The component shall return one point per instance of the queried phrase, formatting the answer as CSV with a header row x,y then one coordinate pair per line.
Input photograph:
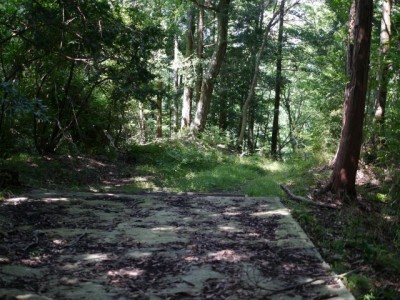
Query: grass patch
x,y
181,166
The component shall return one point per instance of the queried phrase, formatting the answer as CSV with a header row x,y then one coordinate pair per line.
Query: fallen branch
x,y
340,276
303,199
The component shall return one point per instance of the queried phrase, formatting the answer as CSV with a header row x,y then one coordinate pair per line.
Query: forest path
x,y
157,246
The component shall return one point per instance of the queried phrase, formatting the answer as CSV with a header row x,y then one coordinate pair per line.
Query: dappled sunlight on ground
x,y
107,245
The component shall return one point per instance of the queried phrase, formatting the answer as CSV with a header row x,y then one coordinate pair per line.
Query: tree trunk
x,y
278,86
200,50
142,124
256,72
188,89
380,105
159,133
349,62
250,137
175,118
207,85
351,40
343,178
286,100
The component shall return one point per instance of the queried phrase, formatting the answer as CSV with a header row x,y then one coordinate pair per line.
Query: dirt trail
x,y
189,246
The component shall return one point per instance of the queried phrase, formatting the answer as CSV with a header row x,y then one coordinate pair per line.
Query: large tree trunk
x,y
380,105
278,86
188,78
343,178
349,62
207,85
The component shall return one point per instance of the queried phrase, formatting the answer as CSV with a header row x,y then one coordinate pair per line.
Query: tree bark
x,y
286,103
200,50
349,63
381,95
188,78
250,138
159,133
351,41
343,178
142,124
207,85
175,118
278,86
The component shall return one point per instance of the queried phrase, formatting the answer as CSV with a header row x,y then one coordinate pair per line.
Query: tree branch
x,y
303,199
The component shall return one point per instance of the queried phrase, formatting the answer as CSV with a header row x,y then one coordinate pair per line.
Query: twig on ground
x,y
303,199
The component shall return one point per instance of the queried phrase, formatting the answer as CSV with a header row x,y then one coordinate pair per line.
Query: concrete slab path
x,y
159,246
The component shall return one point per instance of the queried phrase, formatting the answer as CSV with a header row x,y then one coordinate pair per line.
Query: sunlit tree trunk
x,y
380,105
207,85
278,86
175,118
343,178
188,80
159,133
200,50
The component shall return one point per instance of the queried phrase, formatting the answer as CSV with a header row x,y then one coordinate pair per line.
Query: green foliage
x,y
358,284
61,68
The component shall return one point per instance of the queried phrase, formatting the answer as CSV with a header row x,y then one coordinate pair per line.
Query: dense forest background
x,y
88,76
155,82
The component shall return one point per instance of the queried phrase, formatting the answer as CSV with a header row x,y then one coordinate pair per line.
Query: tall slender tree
x,y
188,80
278,85
200,50
209,77
159,133
381,95
256,73
343,178
177,81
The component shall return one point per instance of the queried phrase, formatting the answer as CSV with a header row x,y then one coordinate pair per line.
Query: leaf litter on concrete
x,y
158,246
